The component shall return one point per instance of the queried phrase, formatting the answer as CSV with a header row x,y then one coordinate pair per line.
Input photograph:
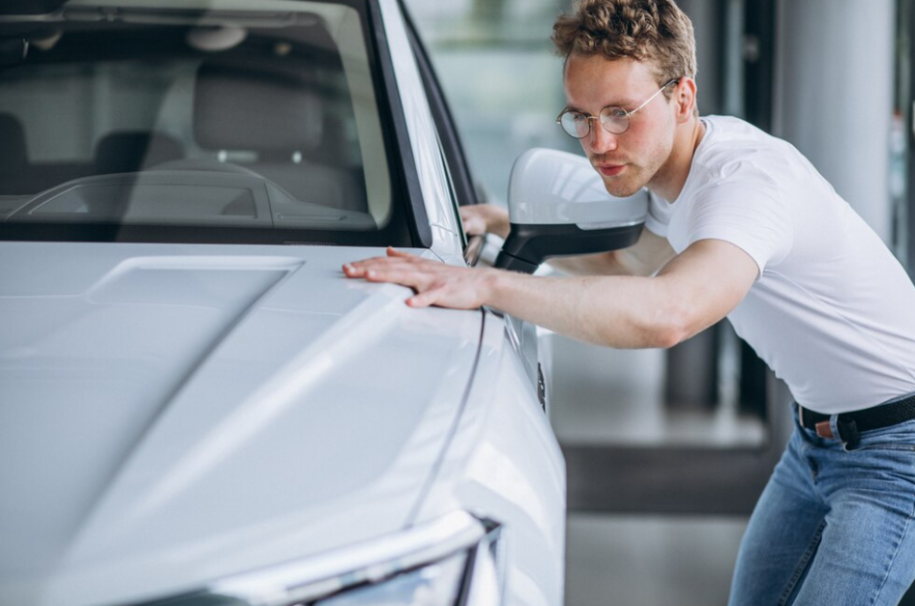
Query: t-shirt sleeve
x,y
752,216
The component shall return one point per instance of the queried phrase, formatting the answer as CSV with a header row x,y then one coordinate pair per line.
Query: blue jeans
x,y
834,526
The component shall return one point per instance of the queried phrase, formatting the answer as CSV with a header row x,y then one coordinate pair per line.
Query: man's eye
x,y
576,117
615,112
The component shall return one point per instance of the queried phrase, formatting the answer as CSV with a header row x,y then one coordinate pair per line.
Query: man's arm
x,y
693,291
482,219
644,258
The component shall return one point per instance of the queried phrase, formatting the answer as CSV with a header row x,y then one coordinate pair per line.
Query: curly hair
x,y
643,30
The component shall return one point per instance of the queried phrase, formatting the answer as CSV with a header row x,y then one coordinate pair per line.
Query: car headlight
x,y
454,560
432,585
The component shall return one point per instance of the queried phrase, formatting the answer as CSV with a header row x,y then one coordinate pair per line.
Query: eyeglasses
x,y
614,119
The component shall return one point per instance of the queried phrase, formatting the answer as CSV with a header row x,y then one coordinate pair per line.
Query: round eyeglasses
x,y
614,119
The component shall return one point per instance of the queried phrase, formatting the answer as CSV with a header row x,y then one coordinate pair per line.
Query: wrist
x,y
501,229
497,222
491,285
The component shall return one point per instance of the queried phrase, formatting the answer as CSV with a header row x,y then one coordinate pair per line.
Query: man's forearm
x,y
616,311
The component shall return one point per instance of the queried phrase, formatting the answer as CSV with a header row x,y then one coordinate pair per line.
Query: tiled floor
x,y
605,396
650,561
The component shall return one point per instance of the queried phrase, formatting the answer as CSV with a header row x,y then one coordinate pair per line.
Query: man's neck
x,y
671,177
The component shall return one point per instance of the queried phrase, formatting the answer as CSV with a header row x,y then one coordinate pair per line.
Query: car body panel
x,y
296,365
483,473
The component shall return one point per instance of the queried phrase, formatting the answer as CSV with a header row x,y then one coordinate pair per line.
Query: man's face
x,y
629,161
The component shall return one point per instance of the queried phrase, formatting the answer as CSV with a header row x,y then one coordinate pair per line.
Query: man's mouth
x,y
610,170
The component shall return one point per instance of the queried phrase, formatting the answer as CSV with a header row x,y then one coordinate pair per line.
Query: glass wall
x,y
494,59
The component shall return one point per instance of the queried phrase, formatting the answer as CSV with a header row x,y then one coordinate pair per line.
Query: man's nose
x,y
600,140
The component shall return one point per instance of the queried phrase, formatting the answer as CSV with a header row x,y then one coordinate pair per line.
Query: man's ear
x,y
685,98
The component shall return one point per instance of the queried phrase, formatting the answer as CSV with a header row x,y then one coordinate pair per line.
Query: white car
x,y
196,407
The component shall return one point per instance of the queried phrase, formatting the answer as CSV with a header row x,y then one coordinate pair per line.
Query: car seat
x,y
273,108
131,151
14,158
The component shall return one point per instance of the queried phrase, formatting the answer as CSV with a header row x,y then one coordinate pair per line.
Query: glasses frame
x,y
626,114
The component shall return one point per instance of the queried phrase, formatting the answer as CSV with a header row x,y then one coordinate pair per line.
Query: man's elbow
x,y
672,328
665,337
648,335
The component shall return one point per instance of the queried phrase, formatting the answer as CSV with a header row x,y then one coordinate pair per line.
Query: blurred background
x,y
667,451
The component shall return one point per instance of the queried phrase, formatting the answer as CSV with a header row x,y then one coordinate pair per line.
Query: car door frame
x,y
521,334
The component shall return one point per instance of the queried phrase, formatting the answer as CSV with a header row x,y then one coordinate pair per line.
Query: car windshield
x,y
196,121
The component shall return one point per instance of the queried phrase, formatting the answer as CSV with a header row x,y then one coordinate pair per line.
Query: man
x,y
740,226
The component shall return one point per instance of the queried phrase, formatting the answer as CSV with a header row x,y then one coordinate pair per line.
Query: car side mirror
x,y
558,206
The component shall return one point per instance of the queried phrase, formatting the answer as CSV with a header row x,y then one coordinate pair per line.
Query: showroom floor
x,y
608,396
649,561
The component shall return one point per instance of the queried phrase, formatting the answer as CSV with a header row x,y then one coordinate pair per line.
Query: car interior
x,y
191,95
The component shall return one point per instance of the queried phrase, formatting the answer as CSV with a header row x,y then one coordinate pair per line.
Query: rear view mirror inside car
x,y
13,50
30,7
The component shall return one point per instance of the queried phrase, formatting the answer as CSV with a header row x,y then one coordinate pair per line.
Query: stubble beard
x,y
628,186
639,176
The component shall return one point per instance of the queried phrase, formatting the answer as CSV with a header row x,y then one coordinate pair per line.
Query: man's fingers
x,y
358,269
423,300
378,274
474,226
433,283
393,252
427,285
427,298
417,280
480,219
353,271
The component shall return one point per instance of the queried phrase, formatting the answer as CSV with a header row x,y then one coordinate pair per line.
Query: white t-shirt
x,y
832,311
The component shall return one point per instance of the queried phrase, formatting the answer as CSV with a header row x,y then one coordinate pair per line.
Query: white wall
x,y
834,92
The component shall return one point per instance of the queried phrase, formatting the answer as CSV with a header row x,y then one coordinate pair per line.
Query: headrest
x,y
256,105
13,152
129,151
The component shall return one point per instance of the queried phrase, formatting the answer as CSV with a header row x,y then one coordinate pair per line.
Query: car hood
x,y
171,414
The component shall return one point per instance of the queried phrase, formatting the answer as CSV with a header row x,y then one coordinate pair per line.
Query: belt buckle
x,y
823,428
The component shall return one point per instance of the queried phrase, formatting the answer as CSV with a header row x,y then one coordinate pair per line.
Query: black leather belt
x,y
850,424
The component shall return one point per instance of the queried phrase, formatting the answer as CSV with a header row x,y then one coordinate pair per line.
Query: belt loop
x,y
800,414
848,433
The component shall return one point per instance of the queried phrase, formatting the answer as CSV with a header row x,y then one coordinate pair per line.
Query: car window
x,y
198,117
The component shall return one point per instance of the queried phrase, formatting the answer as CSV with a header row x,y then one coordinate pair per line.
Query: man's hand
x,y
434,282
693,291
482,219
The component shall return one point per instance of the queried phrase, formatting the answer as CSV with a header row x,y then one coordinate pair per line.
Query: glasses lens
x,y
614,119
576,124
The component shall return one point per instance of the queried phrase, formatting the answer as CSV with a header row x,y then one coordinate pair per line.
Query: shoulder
x,y
735,151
